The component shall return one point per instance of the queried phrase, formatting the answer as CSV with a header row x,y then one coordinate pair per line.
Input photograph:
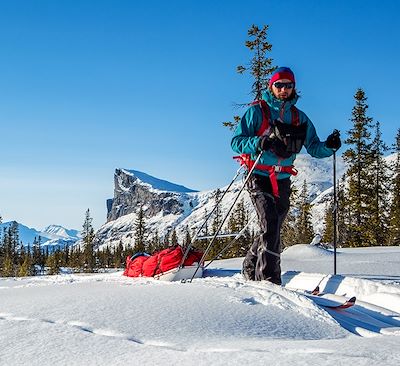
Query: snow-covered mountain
x,y
52,237
170,206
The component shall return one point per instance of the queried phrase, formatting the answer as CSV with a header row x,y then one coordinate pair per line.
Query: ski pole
x,y
334,213
226,216
335,206
207,218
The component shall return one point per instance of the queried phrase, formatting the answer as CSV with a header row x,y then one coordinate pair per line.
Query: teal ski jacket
x,y
245,139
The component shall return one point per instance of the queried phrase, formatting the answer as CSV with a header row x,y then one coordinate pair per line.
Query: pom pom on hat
x,y
282,73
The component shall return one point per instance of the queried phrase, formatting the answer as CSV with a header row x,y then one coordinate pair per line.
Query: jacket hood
x,y
276,103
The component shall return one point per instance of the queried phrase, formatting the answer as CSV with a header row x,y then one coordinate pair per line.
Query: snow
x,y
101,319
158,184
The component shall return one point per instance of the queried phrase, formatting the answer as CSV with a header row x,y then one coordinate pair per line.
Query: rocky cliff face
x,y
130,192
164,205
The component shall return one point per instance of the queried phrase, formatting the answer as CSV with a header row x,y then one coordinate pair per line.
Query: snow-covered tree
x,y
140,232
394,227
304,232
87,238
379,217
359,174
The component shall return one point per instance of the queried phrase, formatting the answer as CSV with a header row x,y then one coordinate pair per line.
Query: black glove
x,y
265,143
333,140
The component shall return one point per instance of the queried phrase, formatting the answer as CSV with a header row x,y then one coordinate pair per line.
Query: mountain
x,y
52,237
169,206
57,232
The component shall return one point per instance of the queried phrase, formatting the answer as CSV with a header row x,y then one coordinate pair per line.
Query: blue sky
x,y
90,86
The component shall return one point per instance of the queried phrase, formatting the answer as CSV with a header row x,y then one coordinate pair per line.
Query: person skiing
x,y
276,129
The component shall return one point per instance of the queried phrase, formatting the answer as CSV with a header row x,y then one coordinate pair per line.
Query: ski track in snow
x,y
87,328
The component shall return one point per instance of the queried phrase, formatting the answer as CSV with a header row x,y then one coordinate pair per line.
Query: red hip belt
x,y
272,170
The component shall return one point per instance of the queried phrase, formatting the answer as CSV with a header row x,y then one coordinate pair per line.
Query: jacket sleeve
x,y
245,139
313,145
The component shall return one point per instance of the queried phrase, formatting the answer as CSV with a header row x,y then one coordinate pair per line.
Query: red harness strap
x,y
245,160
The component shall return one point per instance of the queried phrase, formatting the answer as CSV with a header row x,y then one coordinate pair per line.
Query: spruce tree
x,y
188,238
260,66
343,213
53,262
25,268
359,173
237,221
155,243
174,238
140,232
327,236
217,220
379,217
119,259
394,227
8,267
288,231
87,238
304,230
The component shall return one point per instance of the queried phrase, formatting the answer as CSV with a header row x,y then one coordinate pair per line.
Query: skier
x,y
278,130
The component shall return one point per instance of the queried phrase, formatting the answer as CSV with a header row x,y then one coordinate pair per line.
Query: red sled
x,y
164,265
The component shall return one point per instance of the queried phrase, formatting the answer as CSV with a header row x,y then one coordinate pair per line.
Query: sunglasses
x,y
279,85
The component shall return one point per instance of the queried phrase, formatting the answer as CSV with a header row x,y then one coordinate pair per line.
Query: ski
x,y
325,302
345,305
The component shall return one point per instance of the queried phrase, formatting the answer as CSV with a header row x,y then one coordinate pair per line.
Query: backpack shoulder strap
x,y
266,116
295,116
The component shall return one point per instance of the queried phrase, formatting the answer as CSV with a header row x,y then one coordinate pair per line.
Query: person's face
x,y
283,88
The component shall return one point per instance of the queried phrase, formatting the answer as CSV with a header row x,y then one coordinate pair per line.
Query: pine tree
x,y
119,259
155,243
53,262
8,267
87,238
237,221
25,268
394,227
188,237
260,66
140,232
359,174
216,223
174,238
288,231
343,214
327,236
379,217
303,229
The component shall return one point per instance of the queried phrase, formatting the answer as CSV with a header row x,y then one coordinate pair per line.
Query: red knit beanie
x,y
282,73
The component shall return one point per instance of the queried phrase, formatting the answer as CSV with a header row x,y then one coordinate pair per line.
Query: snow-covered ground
x,y
220,319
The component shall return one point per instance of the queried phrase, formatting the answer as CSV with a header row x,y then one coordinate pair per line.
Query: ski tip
x,y
352,300
315,291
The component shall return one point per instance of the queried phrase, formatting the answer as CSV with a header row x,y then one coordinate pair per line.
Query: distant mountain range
x,y
52,237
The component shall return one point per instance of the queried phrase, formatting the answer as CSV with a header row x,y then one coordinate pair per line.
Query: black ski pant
x,y
262,261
